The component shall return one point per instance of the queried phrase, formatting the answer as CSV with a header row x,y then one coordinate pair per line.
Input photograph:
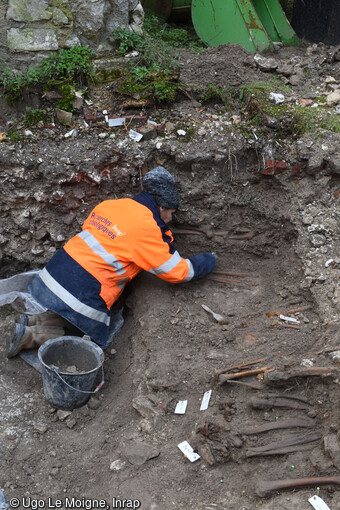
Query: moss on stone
x,y
20,11
108,70
64,7
59,17
32,39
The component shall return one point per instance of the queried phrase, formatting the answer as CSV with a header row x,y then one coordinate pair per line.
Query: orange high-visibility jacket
x,y
119,239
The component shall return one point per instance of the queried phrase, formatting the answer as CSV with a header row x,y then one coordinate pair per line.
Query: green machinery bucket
x,y
254,24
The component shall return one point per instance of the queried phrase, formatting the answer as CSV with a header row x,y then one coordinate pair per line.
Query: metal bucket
x,y
63,389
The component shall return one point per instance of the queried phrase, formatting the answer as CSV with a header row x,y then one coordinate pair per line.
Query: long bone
x,y
265,487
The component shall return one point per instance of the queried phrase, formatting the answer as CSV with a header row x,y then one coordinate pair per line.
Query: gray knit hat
x,y
160,184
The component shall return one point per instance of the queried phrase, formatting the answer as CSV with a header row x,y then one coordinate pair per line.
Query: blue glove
x,y
203,264
3,503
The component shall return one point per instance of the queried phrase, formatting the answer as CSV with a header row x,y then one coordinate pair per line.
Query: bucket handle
x,y
56,371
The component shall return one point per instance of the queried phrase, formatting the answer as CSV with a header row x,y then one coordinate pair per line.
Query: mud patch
x,y
227,66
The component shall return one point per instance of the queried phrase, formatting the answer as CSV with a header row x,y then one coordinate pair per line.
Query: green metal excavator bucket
x,y
254,24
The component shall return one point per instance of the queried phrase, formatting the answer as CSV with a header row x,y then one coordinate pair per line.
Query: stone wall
x,y
31,29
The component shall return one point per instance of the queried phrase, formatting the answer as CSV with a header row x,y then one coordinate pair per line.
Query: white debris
x,y
289,319
117,465
307,362
277,98
70,133
335,355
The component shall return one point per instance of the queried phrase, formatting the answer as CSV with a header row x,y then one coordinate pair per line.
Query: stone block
x,y
333,98
315,164
148,131
334,165
64,117
78,101
59,18
89,17
28,10
71,41
137,453
265,64
144,407
108,69
319,461
332,447
285,70
32,39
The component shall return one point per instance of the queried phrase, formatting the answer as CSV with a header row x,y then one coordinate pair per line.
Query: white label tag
x,y
289,319
181,407
205,400
318,503
135,136
188,451
117,122
152,123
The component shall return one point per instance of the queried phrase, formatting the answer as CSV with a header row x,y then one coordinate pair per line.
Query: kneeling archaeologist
x,y
82,282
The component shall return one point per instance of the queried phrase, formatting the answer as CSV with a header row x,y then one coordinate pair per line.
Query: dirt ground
x,y
123,445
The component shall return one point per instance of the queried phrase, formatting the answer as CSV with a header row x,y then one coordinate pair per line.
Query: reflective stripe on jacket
x,y
118,240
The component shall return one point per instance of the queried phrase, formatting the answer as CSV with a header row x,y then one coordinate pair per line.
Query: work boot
x,y
47,319
32,337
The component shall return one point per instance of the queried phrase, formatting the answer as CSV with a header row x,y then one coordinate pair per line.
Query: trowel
x,y
218,318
